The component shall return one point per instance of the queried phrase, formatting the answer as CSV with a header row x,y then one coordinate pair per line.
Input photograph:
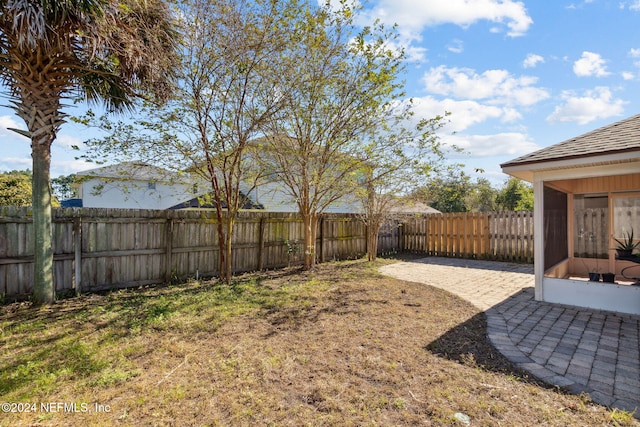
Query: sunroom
x,y
586,206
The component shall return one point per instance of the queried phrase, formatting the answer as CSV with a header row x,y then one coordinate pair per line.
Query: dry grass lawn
x,y
341,345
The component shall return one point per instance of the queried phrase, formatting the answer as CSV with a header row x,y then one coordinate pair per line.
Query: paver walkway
x,y
582,350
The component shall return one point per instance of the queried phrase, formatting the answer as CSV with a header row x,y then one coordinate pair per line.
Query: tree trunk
x,y
310,222
228,248
373,229
372,240
43,286
221,242
373,224
40,110
222,239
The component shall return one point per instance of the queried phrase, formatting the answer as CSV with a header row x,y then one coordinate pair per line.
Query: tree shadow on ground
x,y
500,266
468,343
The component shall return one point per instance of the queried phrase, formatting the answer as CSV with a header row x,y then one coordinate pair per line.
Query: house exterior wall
x,y
275,198
610,179
136,194
596,295
601,184
132,194
538,237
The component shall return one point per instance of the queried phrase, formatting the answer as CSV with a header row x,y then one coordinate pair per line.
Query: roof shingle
x,y
618,137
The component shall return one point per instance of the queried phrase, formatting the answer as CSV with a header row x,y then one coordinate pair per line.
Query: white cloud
x,y
415,53
594,104
7,122
497,87
627,75
573,6
501,144
66,167
67,141
337,5
532,60
412,53
14,163
590,64
456,46
62,140
634,53
415,15
463,113
632,5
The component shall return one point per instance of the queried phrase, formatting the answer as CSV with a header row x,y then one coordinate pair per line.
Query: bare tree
x,y
338,80
397,158
231,60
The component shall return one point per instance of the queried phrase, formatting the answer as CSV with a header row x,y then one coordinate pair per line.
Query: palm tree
x,y
106,51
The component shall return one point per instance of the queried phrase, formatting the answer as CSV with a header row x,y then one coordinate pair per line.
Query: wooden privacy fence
x,y
502,236
98,249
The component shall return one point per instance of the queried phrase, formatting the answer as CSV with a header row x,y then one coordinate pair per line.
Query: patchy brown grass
x,y
341,345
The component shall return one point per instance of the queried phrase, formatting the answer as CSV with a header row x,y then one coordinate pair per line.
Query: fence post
x,y
366,239
169,246
77,257
261,244
321,225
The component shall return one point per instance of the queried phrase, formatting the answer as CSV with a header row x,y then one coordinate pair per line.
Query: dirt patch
x,y
341,345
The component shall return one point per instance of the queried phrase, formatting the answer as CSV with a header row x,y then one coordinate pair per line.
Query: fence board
x,y
591,239
506,236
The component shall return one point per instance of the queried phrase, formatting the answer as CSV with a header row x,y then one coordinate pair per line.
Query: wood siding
x,y
601,184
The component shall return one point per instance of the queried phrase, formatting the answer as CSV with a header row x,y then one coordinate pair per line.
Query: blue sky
x,y
515,75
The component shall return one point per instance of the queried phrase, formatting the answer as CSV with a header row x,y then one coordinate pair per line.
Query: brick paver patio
x,y
582,350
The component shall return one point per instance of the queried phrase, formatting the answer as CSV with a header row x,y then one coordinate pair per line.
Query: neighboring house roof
x,y
615,143
130,170
413,208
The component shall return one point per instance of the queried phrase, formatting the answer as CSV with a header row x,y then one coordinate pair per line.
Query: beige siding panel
x,y
602,184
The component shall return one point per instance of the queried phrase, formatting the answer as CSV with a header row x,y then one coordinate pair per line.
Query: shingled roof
x,y
619,137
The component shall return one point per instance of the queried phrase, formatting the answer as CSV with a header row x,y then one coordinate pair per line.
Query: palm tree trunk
x,y
41,112
43,286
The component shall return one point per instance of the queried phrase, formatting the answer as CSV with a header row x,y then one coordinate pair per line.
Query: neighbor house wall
x,y
132,194
275,198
